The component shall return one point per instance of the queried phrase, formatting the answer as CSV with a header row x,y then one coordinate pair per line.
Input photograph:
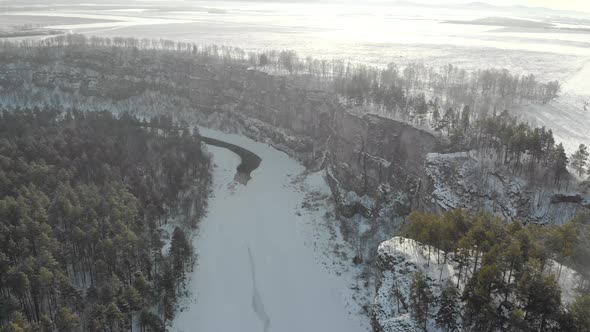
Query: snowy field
x,y
258,267
374,34
566,116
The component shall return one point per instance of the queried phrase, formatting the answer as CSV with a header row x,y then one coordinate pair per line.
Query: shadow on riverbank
x,y
250,160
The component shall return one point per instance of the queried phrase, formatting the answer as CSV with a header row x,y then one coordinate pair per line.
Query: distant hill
x,y
506,22
527,11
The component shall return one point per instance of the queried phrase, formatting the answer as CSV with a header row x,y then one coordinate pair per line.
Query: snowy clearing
x,y
566,116
257,269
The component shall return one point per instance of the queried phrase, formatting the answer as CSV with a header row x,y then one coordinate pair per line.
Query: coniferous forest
x,y
84,198
508,273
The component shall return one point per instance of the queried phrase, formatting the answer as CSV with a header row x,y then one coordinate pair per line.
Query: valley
x,y
286,167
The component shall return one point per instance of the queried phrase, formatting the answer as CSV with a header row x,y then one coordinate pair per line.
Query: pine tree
x,y
65,320
480,311
263,60
544,301
559,163
539,295
465,117
180,252
113,315
17,324
435,117
579,160
151,322
447,316
580,311
563,241
448,120
420,299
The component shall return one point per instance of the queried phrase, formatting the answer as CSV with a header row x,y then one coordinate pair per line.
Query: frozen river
x,y
254,270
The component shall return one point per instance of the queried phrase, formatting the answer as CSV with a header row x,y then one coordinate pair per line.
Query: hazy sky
x,y
583,5
575,5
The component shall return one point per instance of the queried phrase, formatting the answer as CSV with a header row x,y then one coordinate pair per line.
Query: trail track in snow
x,y
257,304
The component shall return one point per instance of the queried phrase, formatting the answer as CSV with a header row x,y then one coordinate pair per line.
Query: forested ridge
x,y
466,109
83,197
506,273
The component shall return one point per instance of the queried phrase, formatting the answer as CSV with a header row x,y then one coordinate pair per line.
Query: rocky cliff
x,y
467,180
376,165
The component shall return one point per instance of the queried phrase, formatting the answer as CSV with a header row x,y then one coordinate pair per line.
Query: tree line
x,y
399,90
523,149
519,147
506,273
438,98
450,101
83,197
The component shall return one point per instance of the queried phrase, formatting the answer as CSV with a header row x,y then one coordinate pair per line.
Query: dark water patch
x,y
250,160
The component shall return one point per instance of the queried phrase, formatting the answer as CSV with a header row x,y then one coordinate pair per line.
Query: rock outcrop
x,y
464,180
397,261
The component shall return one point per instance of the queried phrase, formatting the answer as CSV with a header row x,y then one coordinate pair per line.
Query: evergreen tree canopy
x,y
82,199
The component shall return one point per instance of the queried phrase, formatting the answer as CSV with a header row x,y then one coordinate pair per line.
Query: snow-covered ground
x,y
569,115
371,34
566,116
258,265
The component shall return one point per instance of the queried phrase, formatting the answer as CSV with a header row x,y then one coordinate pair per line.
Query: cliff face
x,y
397,261
374,163
379,150
467,180
364,151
